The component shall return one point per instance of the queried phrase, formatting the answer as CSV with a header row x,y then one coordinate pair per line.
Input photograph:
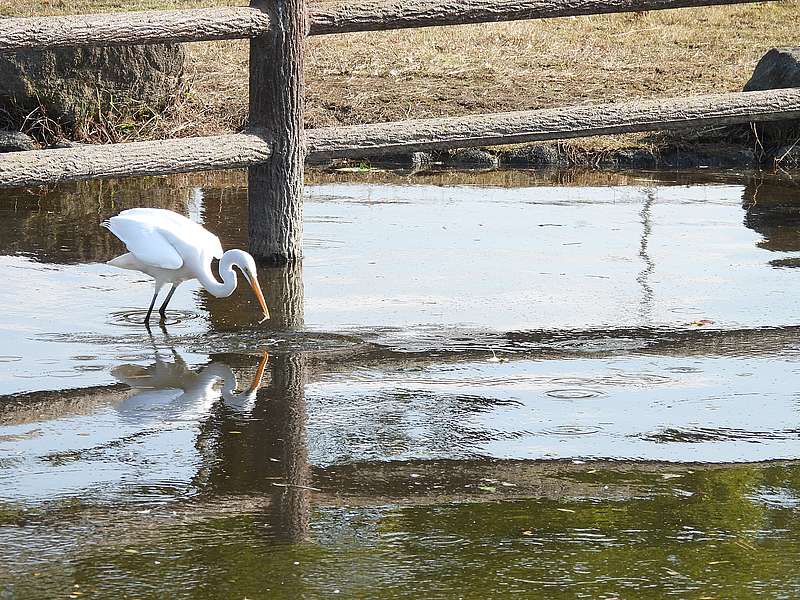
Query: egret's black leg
x,y
152,304
152,339
163,310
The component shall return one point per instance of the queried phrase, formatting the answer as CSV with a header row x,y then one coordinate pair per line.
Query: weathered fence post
x,y
275,188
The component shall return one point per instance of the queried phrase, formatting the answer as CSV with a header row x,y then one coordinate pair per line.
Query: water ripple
x,y
135,318
574,393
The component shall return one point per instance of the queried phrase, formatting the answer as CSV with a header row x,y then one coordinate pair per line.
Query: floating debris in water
x,y
701,323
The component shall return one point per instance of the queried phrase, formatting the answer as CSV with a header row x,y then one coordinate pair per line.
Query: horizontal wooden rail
x,y
194,25
359,141
40,167
120,29
376,15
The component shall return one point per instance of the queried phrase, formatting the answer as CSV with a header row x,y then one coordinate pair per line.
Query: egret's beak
x,y
259,297
262,366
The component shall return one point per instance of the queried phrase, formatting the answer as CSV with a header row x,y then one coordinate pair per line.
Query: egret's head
x,y
247,266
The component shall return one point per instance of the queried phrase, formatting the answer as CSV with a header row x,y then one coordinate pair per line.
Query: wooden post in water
x,y
275,188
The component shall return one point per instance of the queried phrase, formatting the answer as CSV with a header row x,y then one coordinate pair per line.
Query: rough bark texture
x,y
275,189
38,33
376,15
75,85
557,123
39,167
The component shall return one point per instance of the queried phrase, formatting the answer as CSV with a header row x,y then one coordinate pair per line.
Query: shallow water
x,y
553,385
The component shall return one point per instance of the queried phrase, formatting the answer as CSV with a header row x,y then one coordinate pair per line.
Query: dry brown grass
x,y
358,78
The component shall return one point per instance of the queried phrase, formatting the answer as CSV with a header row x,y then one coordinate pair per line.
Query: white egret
x,y
172,249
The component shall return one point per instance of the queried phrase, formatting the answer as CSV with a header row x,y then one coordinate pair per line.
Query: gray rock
x,y
70,85
413,160
15,141
472,158
778,68
537,155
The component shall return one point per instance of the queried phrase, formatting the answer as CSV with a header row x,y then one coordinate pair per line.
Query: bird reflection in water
x,y
177,392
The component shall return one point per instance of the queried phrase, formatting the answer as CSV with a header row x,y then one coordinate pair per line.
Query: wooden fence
x,y
275,145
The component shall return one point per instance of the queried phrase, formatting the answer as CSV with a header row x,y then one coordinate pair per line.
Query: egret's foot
x,y
162,322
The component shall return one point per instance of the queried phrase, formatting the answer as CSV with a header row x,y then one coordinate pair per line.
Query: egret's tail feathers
x,y
125,261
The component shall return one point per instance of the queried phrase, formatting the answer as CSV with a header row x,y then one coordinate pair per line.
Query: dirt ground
x,y
448,71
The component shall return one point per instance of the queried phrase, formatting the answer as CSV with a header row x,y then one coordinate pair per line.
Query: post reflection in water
x,y
283,290
643,278
225,213
270,454
291,508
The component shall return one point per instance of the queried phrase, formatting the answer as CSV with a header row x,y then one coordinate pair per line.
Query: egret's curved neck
x,y
226,271
216,371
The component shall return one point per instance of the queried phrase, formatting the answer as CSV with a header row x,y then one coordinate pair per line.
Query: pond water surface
x,y
474,385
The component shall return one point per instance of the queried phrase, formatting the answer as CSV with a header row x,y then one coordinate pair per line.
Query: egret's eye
x,y
251,274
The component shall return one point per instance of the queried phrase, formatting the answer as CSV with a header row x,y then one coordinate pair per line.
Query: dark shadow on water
x,y
772,208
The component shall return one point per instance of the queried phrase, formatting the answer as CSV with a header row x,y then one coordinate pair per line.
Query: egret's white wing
x,y
182,232
163,238
144,241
